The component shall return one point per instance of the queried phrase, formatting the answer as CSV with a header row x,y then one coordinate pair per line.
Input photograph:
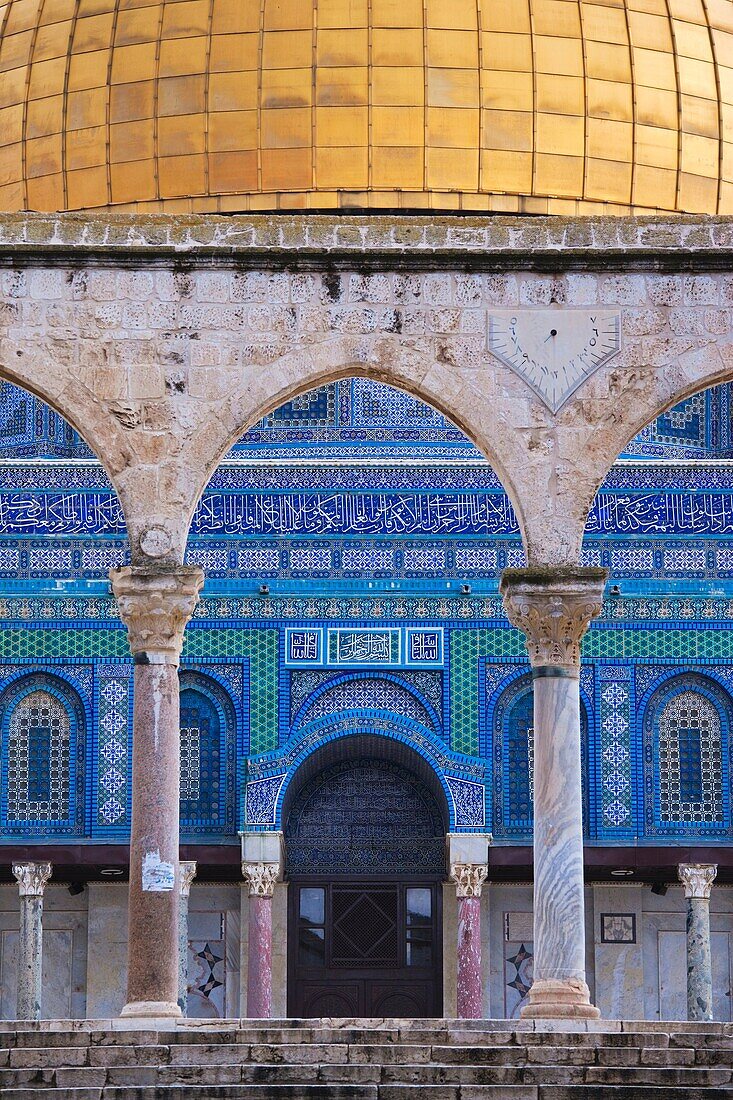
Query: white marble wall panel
x,y
64,952
213,935
107,949
618,966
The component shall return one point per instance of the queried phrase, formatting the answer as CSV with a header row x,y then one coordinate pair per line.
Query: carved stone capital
x,y
32,878
155,605
697,878
469,878
553,608
261,878
188,874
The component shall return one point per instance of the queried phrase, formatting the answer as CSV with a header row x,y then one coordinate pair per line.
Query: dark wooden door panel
x,y
364,948
329,998
401,998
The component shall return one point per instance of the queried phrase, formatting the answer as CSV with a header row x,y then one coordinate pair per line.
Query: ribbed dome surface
x,y
542,106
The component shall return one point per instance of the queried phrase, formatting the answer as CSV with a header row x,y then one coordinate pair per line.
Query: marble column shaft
x,y
187,875
261,878
32,879
469,879
155,604
553,609
697,879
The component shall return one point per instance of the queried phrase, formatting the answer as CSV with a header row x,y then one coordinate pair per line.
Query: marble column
x,y
697,879
32,879
553,609
188,874
469,879
261,878
155,603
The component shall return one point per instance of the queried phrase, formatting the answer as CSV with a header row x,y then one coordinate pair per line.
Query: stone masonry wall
x,y
161,339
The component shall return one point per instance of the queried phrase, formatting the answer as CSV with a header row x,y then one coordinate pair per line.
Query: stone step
x,y
408,1075
372,1092
132,1057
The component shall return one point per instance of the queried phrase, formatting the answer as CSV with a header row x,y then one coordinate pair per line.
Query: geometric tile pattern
x,y
615,748
114,725
367,694
466,647
42,779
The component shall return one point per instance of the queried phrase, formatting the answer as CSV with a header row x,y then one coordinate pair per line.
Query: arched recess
x,y
513,760
365,805
44,765
686,741
358,737
208,762
467,398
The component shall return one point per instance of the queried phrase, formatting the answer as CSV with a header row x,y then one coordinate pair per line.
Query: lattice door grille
x,y
365,927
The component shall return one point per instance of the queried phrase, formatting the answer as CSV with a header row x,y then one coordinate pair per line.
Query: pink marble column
x,y
469,879
155,604
261,878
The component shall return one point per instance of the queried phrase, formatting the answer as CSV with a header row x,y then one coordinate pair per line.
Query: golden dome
x,y
567,106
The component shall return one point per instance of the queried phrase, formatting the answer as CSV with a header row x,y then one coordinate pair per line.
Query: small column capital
x,y
188,874
553,608
697,878
261,878
469,878
32,878
155,605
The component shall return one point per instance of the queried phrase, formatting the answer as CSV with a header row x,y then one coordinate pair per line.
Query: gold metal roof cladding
x,y
539,106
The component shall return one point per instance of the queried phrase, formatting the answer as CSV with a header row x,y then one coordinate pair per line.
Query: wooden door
x,y
364,948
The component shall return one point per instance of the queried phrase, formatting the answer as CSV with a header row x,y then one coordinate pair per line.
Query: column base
x,y
559,1000
148,1009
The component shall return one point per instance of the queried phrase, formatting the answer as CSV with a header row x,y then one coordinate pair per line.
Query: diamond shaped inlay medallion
x,y
554,350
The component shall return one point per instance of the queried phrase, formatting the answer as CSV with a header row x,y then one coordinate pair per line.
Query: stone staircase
x,y
365,1060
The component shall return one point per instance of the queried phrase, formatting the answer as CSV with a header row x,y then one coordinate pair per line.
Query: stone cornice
x,y
377,241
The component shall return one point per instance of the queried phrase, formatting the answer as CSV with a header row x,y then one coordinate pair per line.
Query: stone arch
x,y
43,753
459,390
69,392
638,403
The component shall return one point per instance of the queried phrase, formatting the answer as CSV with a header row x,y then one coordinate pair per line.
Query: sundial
x,y
554,350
